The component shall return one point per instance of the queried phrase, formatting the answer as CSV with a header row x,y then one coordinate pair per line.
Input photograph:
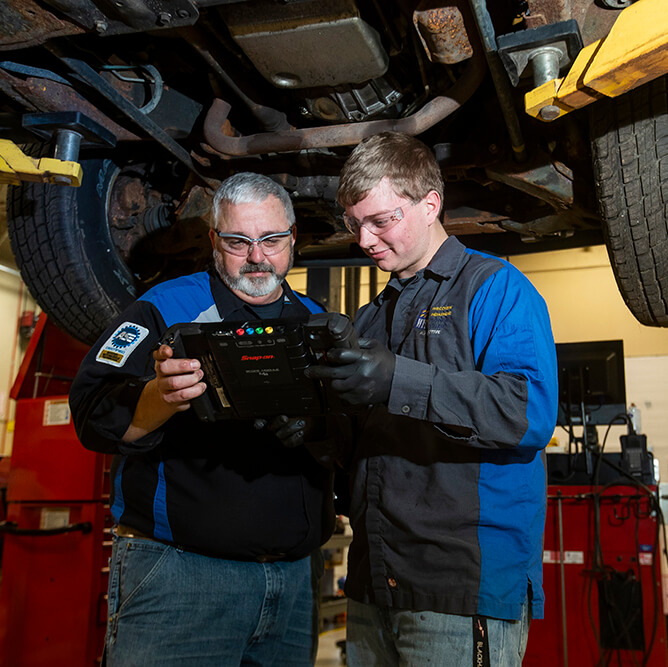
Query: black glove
x,y
360,376
289,430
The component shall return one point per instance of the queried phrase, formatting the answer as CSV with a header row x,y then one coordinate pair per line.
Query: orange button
x,y
392,582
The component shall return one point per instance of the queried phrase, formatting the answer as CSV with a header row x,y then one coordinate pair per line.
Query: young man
x,y
215,522
456,376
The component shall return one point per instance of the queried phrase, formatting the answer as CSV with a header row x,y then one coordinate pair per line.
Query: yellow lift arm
x,y
16,166
634,52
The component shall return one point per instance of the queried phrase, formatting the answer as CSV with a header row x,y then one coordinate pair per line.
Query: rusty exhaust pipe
x,y
348,134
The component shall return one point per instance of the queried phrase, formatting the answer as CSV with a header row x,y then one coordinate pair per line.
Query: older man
x,y
215,522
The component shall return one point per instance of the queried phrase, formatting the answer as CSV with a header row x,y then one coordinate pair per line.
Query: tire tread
x,y
630,159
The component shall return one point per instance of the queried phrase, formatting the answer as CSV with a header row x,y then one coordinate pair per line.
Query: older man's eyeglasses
x,y
376,224
240,245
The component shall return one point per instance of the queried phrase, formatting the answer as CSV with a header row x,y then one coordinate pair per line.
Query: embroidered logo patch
x,y
121,343
427,319
421,322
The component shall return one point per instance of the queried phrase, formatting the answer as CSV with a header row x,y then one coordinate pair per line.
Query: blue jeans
x,y
380,637
171,607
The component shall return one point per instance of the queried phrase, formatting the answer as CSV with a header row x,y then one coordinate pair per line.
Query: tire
x,y
62,245
630,160
86,253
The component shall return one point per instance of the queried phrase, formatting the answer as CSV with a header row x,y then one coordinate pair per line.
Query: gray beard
x,y
251,285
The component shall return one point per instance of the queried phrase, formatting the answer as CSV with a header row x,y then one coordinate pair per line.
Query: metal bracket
x,y
633,53
549,48
69,130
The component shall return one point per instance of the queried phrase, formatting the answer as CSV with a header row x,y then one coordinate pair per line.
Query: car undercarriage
x,y
144,106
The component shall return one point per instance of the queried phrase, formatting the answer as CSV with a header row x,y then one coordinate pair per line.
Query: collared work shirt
x,y
448,480
223,488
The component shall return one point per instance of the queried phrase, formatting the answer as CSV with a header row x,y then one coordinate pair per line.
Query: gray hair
x,y
249,188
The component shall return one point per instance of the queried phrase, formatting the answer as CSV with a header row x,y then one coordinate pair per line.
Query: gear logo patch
x,y
125,336
118,347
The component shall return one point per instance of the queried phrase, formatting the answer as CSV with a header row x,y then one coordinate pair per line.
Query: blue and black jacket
x,y
222,489
448,480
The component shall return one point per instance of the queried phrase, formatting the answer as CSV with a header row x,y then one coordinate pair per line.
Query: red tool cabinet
x,y
602,580
56,540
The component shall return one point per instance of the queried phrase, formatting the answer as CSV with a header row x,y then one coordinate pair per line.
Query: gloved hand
x,y
312,432
289,430
360,376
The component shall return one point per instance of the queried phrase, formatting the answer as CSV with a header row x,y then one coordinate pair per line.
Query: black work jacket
x,y
222,489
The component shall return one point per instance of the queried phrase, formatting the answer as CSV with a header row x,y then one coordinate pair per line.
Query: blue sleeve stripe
x,y
511,522
162,530
118,507
312,306
510,331
166,297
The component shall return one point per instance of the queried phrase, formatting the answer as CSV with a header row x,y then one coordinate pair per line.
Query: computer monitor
x,y
591,379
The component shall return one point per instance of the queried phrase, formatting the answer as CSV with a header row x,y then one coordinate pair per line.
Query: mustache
x,y
261,266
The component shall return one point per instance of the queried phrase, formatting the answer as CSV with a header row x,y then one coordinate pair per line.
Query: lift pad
x,y
16,166
634,52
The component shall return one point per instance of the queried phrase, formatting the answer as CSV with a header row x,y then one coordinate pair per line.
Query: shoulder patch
x,y
118,347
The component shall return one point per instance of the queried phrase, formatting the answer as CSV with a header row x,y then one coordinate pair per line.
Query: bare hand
x,y
177,381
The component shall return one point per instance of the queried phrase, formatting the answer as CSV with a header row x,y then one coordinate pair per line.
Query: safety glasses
x,y
378,223
240,245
